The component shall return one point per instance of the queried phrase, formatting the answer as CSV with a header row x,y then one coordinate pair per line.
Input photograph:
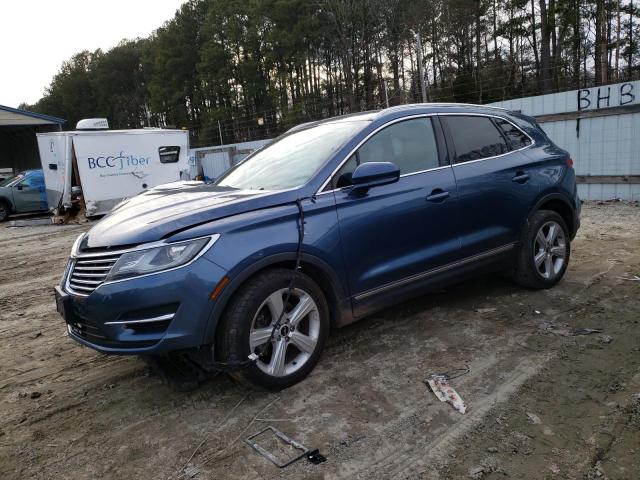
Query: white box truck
x,y
109,165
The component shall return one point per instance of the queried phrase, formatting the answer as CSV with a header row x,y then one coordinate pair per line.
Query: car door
x,y
28,193
493,176
392,235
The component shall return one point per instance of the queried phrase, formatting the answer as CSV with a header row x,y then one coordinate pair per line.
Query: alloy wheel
x,y
550,250
289,347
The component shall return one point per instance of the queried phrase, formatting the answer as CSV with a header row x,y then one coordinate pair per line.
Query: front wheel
x,y
5,210
288,353
544,251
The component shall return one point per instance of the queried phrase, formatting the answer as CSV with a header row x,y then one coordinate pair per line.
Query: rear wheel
x,y
544,251
288,353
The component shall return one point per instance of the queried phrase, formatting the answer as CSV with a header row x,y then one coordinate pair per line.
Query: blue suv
x,y
330,222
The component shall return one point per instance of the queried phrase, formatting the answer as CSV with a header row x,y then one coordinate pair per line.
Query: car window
x,y
343,177
14,180
33,179
475,137
517,138
410,145
29,181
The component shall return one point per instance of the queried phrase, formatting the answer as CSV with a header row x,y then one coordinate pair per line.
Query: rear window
x,y
517,138
475,138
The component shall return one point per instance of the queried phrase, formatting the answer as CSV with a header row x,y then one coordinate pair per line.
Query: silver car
x,y
23,193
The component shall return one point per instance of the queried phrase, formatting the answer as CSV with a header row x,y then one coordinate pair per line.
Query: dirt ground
x,y
541,403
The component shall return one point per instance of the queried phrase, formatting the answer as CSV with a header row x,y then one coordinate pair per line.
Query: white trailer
x,y
110,165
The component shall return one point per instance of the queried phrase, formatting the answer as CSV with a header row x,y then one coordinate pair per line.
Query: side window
x,y
410,144
342,177
516,137
29,181
13,181
475,138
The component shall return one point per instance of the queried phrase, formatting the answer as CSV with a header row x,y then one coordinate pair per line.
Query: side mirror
x,y
169,154
20,186
374,174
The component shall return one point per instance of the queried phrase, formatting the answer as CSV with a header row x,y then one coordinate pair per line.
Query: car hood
x,y
167,209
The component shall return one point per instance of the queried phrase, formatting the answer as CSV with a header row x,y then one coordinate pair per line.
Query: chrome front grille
x,y
87,273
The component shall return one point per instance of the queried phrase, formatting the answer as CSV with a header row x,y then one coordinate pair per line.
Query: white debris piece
x,y
440,386
533,418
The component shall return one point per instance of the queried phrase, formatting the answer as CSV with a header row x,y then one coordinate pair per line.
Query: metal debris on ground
x,y
635,278
439,384
191,471
565,332
584,331
313,456
316,457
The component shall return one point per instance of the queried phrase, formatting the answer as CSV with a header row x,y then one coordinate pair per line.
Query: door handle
x,y
438,195
521,177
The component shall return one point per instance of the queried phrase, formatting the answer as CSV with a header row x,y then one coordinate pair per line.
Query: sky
x,y
36,36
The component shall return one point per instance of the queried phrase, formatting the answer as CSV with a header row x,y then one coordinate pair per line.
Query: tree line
x,y
236,70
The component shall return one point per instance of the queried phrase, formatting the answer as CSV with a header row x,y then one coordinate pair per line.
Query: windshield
x,y
14,178
292,159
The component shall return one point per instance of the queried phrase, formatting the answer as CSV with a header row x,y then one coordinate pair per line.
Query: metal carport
x,y
18,145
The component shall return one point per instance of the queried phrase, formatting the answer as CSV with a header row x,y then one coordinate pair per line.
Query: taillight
x,y
570,162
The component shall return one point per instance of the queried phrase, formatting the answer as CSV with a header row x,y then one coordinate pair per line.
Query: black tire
x,y
232,338
527,274
5,210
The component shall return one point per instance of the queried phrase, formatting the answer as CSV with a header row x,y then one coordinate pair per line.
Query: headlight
x,y
157,259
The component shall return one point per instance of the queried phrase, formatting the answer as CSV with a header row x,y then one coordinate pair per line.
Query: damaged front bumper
x,y
144,316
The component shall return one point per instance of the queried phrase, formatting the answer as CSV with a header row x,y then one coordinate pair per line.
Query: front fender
x,y
7,198
240,275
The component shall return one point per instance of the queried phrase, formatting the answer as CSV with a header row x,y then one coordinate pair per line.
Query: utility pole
x,y
220,132
423,89
386,92
147,114
631,42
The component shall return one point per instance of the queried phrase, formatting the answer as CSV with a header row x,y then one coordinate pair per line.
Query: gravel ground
x,y
541,404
